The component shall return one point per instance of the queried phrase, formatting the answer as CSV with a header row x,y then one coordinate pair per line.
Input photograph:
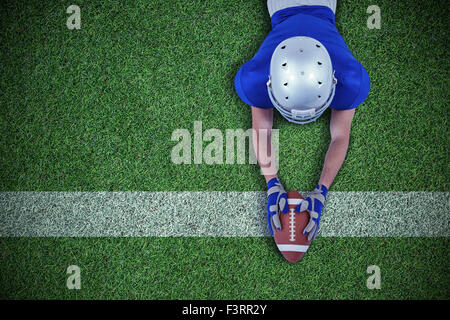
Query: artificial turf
x,y
222,268
94,110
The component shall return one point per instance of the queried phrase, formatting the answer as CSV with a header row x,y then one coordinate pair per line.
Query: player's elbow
x,y
340,136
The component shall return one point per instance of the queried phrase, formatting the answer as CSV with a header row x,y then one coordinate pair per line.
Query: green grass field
x,y
94,110
223,268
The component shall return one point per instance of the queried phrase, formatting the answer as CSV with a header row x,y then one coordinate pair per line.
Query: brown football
x,y
290,239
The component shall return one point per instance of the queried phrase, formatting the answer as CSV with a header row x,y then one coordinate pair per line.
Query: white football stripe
x,y
292,247
294,201
214,214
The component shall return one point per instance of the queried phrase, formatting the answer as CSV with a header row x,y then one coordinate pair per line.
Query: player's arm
x,y
262,121
340,125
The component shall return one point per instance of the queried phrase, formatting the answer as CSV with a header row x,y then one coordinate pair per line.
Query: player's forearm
x,y
333,160
262,144
262,120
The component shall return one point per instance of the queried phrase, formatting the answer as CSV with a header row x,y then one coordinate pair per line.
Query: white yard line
x,y
214,214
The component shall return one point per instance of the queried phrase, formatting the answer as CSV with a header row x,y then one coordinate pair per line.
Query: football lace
x,y
292,225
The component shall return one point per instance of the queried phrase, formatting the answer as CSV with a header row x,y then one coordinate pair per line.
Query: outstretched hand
x,y
314,204
276,202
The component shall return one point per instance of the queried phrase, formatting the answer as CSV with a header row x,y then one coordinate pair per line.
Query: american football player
x,y
302,68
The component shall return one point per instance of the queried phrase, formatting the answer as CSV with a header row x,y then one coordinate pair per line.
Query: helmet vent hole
x,y
285,84
319,63
286,98
301,50
320,83
284,64
283,47
319,97
318,46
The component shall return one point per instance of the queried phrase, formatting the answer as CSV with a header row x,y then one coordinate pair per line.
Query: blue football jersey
x,y
311,21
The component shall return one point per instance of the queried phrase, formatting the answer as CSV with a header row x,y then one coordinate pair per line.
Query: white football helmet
x,y
301,82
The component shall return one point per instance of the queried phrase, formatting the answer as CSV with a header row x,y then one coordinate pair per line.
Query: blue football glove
x,y
314,204
276,202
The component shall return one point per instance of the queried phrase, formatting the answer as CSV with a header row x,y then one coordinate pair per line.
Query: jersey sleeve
x,y
250,82
238,87
352,88
364,88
